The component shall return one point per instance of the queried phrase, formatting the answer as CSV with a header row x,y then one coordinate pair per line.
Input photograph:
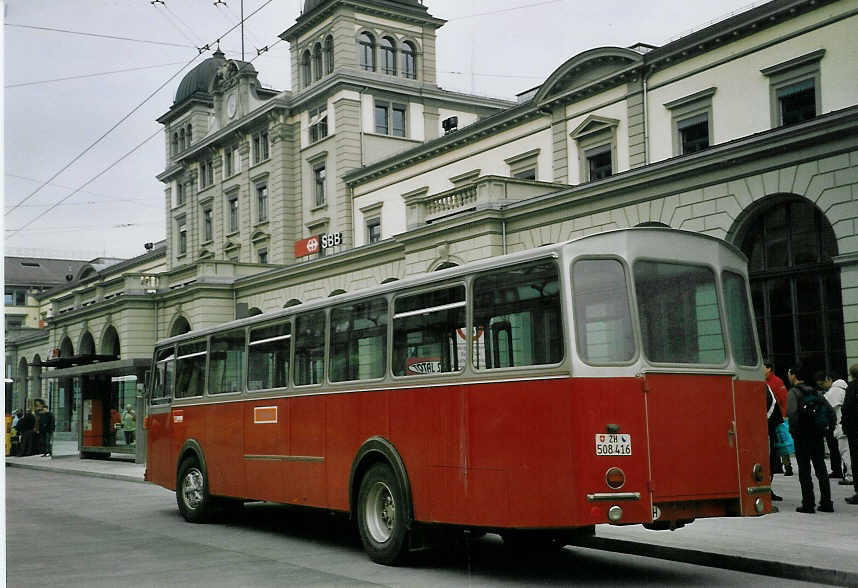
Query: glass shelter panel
x,y
679,315
268,357
517,320
603,323
429,332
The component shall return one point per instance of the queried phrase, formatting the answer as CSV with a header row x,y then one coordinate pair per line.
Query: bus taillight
x,y
615,478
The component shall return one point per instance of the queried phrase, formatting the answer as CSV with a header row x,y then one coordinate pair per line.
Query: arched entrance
x,y
68,395
795,285
36,378
87,344
23,381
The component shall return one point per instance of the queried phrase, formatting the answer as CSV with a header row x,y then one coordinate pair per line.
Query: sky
x,y
84,81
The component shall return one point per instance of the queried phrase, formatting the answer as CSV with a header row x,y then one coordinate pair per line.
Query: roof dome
x,y
200,78
311,4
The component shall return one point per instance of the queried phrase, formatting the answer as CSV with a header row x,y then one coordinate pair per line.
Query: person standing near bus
x,y
26,426
849,421
47,424
129,424
809,441
780,390
826,387
773,415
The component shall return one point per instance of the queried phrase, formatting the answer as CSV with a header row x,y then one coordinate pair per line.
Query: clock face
x,y
230,105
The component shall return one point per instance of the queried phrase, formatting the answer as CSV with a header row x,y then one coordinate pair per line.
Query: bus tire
x,y
382,516
192,492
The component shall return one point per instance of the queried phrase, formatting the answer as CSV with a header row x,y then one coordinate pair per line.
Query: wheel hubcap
x,y
380,512
192,488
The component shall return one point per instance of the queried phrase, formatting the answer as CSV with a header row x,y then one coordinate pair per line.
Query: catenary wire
x,y
91,75
99,36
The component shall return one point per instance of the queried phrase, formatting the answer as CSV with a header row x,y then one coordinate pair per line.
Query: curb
x,y
724,561
73,472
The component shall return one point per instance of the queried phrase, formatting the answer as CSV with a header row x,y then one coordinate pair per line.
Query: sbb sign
x,y
316,243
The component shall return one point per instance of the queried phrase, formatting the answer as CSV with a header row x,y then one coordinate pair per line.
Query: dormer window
x,y
387,53
367,51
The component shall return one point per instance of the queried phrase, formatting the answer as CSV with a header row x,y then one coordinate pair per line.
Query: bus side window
x,y
358,341
268,357
191,369
603,320
426,329
517,321
310,348
162,377
226,362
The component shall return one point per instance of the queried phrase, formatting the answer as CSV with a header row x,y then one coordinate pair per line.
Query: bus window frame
x,y
716,275
281,390
750,307
633,310
464,369
166,401
561,298
323,380
243,382
204,393
388,348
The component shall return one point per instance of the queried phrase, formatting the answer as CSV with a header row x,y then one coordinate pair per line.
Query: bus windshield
x,y
679,316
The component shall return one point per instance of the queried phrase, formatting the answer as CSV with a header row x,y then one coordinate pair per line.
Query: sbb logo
x,y
313,244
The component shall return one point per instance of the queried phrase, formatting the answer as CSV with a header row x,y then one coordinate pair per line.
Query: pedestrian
x,y
824,384
129,424
47,424
17,415
835,395
803,403
777,386
774,418
26,426
849,422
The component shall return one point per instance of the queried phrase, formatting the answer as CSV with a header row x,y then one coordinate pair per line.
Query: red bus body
x,y
512,452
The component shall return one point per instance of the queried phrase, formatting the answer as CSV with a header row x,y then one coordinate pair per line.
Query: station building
x,y
367,171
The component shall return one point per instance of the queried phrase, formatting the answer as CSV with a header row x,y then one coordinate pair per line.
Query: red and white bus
x,y
615,378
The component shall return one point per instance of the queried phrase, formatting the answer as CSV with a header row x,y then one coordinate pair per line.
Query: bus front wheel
x,y
192,492
382,516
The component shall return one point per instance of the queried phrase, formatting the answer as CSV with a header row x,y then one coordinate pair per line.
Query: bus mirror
x,y
146,378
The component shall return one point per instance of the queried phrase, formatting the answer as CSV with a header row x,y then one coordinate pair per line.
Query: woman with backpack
x,y
809,416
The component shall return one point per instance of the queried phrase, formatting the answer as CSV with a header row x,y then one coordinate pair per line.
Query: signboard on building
x,y
316,243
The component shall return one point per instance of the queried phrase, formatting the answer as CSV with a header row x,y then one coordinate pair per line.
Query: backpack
x,y
815,415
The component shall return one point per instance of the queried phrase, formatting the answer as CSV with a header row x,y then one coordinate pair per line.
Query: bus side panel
x,y
752,436
224,462
161,465
305,468
189,422
266,436
350,419
521,433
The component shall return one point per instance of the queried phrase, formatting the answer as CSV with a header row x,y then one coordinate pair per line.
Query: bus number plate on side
x,y
620,444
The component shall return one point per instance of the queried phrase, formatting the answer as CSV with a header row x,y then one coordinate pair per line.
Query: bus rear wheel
x,y
382,516
192,492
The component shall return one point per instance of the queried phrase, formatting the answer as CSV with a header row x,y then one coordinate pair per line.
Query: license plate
x,y
619,444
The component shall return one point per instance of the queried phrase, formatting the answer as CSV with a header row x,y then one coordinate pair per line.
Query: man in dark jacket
x,y
809,444
849,421
26,428
47,424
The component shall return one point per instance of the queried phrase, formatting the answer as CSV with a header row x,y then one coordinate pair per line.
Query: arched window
x,y
445,265
292,302
180,326
409,60
182,140
110,342
254,311
329,54
367,52
175,143
387,52
317,62
795,285
306,74
87,344
337,292
190,134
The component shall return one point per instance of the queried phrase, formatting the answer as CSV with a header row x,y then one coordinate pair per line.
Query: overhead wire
x,y
510,9
90,75
100,36
92,145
